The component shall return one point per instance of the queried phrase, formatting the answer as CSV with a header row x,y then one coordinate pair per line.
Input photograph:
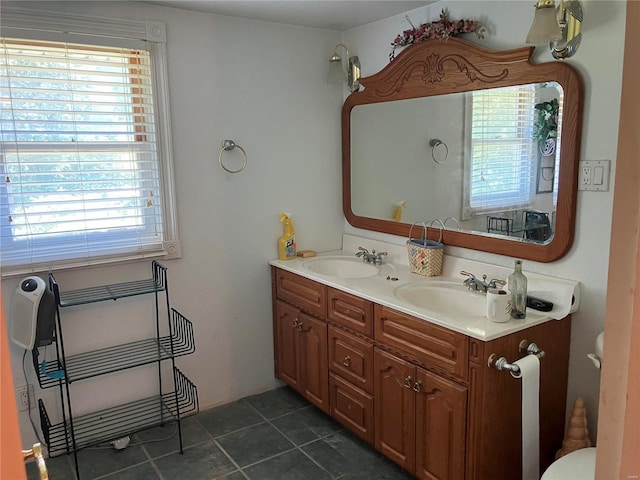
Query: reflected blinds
x,y
80,174
502,148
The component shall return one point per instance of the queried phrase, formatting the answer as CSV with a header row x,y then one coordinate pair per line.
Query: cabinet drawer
x,y
301,292
352,312
352,407
429,344
352,358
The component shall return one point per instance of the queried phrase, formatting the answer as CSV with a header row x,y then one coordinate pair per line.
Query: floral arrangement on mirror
x,y
545,128
443,28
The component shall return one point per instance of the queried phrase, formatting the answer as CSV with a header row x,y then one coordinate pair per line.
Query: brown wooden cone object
x,y
577,435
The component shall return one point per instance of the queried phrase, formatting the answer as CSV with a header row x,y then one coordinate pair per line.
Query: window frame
x,y
469,212
41,25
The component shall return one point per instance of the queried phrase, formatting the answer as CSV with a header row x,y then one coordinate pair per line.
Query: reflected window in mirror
x,y
507,170
500,160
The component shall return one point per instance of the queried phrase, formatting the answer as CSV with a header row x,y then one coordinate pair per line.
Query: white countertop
x,y
380,289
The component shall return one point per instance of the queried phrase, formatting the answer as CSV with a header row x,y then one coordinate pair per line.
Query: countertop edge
x,y
373,289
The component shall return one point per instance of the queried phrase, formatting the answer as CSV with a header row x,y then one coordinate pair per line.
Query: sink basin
x,y
444,298
341,267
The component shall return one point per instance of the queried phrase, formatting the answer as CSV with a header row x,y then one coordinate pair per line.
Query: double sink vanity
x,y
401,360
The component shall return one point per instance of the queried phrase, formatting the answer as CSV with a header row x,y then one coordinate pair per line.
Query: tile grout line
x,y
266,420
224,452
153,464
297,447
129,467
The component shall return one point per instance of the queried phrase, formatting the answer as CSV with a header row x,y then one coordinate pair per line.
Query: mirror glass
x,y
485,143
470,158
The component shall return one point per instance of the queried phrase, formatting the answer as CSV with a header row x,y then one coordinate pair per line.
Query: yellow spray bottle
x,y
287,244
397,212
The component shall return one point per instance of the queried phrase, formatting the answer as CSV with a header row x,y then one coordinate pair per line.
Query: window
x,y
84,171
502,151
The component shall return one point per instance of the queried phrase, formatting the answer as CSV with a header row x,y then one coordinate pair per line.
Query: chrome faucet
x,y
476,285
373,257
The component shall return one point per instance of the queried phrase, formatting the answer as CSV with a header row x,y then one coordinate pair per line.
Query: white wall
x,y
391,158
599,61
264,86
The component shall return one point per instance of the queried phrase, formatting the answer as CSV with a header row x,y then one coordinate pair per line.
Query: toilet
x,y
581,464
578,465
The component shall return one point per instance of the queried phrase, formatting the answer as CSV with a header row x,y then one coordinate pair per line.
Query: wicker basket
x,y
425,256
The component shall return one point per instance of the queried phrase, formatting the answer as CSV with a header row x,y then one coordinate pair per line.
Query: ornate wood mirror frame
x,y
439,67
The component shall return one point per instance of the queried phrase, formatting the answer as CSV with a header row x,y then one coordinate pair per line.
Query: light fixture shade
x,y
545,27
337,73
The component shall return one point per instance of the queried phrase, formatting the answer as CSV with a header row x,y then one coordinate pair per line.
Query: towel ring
x,y
436,142
227,146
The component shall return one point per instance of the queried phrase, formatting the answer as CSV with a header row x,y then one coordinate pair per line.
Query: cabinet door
x,y
288,354
394,405
314,367
441,407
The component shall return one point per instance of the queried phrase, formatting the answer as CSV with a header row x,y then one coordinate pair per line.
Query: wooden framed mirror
x,y
450,129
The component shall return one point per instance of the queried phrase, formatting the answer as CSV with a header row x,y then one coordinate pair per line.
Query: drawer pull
x,y
297,324
406,383
417,386
347,361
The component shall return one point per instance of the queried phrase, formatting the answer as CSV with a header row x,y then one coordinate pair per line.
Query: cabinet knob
x,y
347,361
297,324
417,386
407,381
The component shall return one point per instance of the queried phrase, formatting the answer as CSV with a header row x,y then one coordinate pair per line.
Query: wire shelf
x,y
121,357
117,422
114,291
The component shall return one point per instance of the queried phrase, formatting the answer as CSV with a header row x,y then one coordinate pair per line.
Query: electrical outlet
x,y
594,175
25,397
585,175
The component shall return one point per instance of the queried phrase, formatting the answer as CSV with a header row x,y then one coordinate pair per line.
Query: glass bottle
x,y
518,289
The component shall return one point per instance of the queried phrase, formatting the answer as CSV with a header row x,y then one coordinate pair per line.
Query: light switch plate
x,y
594,175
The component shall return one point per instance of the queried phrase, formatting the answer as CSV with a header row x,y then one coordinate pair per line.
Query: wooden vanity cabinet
x,y
351,362
351,312
302,353
300,336
420,415
351,382
494,422
420,418
428,344
351,357
422,394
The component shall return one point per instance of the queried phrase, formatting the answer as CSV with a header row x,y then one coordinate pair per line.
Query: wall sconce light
x,y
560,26
339,73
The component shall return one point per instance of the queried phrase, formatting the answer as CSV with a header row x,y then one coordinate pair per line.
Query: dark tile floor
x,y
275,435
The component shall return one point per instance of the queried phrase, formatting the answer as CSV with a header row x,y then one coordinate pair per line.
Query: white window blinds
x,y
78,156
502,149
